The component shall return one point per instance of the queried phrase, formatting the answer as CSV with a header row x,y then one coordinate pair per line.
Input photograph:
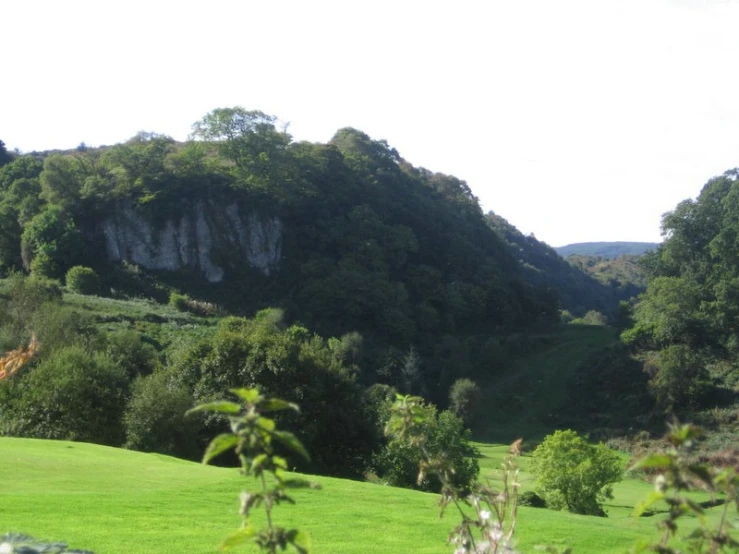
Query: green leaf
x,y
266,424
219,445
250,396
240,537
275,405
258,462
660,461
292,442
221,406
650,500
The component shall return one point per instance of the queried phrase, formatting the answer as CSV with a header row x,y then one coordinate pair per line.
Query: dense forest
x,y
329,274
606,249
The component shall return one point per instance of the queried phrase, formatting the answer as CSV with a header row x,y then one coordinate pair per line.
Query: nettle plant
x,y
487,515
677,473
253,437
17,543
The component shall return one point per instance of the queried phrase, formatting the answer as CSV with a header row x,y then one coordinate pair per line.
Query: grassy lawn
x,y
117,501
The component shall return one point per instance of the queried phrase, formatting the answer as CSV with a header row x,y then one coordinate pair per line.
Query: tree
x,y
250,140
5,156
464,399
678,376
53,237
574,474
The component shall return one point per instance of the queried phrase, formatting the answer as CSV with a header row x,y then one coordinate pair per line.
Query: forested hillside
x,y
330,274
344,236
581,289
606,249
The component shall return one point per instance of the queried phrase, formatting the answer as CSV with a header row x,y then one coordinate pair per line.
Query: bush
x,y
27,294
464,399
532,500
83,280
155,418
179,301
71,395
398,462
575,475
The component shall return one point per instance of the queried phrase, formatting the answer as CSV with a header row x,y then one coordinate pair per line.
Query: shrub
x,y
155,418
27,294
71,395
83,280
532,500
130,352
464,399
178,301
445,436
575,475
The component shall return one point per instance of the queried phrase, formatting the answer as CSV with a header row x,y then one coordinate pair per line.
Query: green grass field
x,y
117,501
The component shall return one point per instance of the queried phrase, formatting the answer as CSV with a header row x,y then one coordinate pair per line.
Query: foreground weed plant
x,y
487,516
677,474
16,543
253,437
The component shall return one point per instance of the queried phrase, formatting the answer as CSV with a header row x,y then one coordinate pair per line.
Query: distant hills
x,y
606,249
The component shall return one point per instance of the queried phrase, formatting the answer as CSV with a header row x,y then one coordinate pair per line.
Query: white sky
x,y
575,120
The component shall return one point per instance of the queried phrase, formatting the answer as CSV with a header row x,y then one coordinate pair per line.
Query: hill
x,y
116,501
579,289
606,249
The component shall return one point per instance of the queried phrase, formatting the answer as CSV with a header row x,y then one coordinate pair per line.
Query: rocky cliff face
x,y
206,237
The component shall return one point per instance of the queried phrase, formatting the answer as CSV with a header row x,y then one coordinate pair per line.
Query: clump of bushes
x,y
83,280
183,303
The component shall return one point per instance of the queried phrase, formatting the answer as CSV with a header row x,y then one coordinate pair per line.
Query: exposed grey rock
x,y
193,238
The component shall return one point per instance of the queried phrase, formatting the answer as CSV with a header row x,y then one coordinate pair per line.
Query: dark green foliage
x,y
58,326
5,156
127,349
685,324
609,390
679,377
532,500
82,280
28,294
577,291
155,418
299,366
52,242
609,250
72,394
575,475
445,436
464,399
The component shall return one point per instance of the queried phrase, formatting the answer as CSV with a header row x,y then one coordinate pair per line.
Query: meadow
x,y
115,501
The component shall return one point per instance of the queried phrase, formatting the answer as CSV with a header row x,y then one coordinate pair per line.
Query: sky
x,y
576,120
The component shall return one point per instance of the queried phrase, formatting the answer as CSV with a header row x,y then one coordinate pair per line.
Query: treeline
x,y
88,381
685,324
